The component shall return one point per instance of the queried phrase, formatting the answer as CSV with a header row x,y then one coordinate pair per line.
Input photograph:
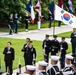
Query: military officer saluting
x,y
42,68
46,48
63,48
25,49
29,53
55,45
53,68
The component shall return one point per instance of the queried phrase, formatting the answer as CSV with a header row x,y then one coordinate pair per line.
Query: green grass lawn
x,y
65,34
17,44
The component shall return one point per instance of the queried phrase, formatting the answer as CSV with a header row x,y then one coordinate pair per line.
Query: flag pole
x,y
54,21
54,28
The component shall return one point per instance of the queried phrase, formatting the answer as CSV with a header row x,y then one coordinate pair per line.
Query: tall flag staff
x,y
38,9
51,9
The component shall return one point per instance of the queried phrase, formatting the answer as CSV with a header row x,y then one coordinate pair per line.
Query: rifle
x,y
19,68
60,54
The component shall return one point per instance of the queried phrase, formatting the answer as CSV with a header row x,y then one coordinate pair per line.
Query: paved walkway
x,y
37,35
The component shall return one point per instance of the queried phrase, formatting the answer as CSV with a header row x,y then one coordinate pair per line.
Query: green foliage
x,y
18,6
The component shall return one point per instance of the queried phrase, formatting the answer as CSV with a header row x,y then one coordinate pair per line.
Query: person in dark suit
x,y
55,46
73,41
29,53
9,55
16,23
46,46
10,24
63,48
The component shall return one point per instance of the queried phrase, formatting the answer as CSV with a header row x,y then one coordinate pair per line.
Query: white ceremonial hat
x,y
30,67
69,57
55,58
43,63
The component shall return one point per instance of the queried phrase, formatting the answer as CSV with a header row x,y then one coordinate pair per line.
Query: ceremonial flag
x,y
30,9
69,6
38,8
51,9
64,16
60,3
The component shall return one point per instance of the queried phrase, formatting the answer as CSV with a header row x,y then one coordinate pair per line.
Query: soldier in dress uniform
x,y
55,45
24,49
10,23
73,41
26,21
42,68
16,22
63,48
53,69
46,48
68,60
29,53
9,57
68,69
30,69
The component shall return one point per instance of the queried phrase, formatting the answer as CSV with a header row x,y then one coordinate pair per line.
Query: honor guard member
x,y
68,69
73,41
42,68
30,70
55,45
53,69
68,60
9,57
51,13
29,53
74,64
10,24
26,21
46,48
63,48
16,22
25,50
